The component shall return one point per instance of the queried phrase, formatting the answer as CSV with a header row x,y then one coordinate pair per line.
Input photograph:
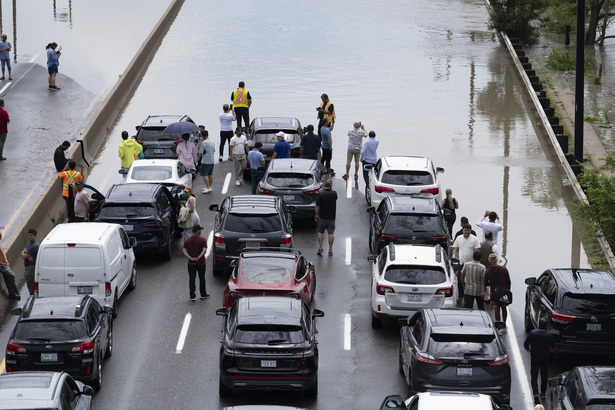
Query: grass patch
x,y
564,60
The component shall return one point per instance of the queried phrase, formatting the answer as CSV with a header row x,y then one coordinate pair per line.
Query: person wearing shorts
x,y
325,216
355,141
207,149
53,61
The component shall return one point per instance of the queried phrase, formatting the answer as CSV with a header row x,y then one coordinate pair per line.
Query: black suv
x,y
156,144
580,307
247,222
584,387
407,219
454,350
148,212
269,343
67,333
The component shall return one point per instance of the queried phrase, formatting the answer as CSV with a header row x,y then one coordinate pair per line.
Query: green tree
x,y
518,18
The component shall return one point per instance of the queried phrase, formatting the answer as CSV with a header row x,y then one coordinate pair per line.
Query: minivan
x,y
93,259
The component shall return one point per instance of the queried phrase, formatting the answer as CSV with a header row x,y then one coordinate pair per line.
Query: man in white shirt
x,y
226,128
238,151
464,246
493,225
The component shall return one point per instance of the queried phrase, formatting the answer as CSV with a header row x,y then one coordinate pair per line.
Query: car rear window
x,y
404,225
415,275
50,330
589,304
290,180
269,334
253,223
25,380
600,404
270,137
153,173
463,345
127,211
154,134
407,178
266,270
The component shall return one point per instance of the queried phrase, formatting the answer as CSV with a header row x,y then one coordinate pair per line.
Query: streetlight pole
x,y
579,77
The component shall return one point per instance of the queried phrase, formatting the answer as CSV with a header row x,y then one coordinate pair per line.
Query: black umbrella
x,y
179,128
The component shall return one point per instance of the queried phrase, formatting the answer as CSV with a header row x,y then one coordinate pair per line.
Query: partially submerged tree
x,y
518,18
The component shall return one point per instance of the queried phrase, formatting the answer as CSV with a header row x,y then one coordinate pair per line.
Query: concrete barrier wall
x,y
49,207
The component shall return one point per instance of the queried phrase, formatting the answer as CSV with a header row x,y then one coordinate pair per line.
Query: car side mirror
x,y
455,264
233,263
201,128
318,313
221,312
556,381
108,310
132,241
371,258
214,207
402,321
138,127
87,390
371,210
530,281
368,167
123,171
16,312
292,209
439,170
393,402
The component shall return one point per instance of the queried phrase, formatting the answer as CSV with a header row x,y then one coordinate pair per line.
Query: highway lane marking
x,y
183,333
34,58
26,202
5,87
3,365
521,370
348,189
347,325
227,181
348,251
210,238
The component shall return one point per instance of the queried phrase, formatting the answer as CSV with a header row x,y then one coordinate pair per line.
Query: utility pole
x,y
579,77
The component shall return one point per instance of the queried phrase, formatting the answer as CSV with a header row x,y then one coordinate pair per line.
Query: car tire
x,y
97,382
376,322
368,195
312,392
166,253
133,278
218,270
527,321
115,306
224,391
109,350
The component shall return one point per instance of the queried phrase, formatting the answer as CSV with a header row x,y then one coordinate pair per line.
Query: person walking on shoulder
x,y
327,146
325,216
257,162
369,155
128,150
28,254
242,101
207,150
355,142
4,130
69,177
195,247
449,205
239,149
53,62
226,128
281,149
539,343
310,144
5,56
473,278
9,276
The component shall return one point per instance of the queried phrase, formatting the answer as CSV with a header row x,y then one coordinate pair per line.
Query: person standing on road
x,y
539,343
7,273
59,159
82,203
449,205
369,155
464,246
186,152
473,278
463,220
207,150
195,247
325,216
326,113
226,128
486,249
281,149
5,56
242,100
257,162
355,142
310,144
497,277
128,150
493,225
69,177
4,122
327,146
53,62
28,254
239,149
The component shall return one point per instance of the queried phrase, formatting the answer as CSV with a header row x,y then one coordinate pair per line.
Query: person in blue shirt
x,y
5,56
368,154
257,162
282,148
53,61
327,145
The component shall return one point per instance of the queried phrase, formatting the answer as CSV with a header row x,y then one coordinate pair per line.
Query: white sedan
x,y
443,400
169,172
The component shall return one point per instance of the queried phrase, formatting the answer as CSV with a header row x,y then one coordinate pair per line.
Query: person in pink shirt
x,y
4,121
186,152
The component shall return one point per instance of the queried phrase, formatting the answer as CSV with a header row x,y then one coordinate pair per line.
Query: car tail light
x,y
439,239
315,191
36,289
499,361
427,358
219,238
265,191
71,245
387,238
380,189
382,289
433,191
306,353
107,289
86,347
12,348
447,292
153,224
556,317
286,240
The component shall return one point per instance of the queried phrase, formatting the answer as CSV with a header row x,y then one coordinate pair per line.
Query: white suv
x,y
443,400
402,175
406,278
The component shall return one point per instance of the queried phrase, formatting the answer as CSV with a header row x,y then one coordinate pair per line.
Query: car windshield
x,y
253,223
405,225
266,270
270,137
268,334
462,345
600,404
589,304
127,211
49,330
415,275
154,134
290,180
151,173
407,178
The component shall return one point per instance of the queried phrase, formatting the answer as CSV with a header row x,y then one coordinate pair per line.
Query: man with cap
x,y
256,160
195,247
82,203
325,216
282,148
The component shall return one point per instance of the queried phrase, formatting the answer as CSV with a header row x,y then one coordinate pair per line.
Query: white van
x,y
93,259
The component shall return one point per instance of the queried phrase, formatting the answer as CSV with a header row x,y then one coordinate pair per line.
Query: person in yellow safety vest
x,y
326,113
69,177
242,100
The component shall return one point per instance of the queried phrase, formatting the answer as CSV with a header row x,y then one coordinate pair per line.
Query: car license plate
x,y
288,197
128,228
594,327
49,357
84,290
464,371
158,150
414,298
268,363
253,245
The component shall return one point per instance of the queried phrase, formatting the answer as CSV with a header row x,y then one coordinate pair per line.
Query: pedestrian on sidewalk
x,y
5,56
53,62
69,177
82,203
327,145
369,154
281,149
238,151
473,278
449,206
310,144
355,142
59,159
7,273
256,158
226,128
186,152
539,343
497,277
28,254
4,121
325,216
493,224
242,101
326,113
128,150
195,247
207,150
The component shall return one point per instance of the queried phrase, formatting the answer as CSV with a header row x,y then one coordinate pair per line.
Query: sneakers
x,y
205,297
543,396
330,253
206,190
2,158
53,88
10,78
220,158
345,177
192,299
238,182
319,251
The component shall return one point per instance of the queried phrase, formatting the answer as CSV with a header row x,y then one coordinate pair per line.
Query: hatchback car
x,y
68,333
411,219
168,172
406,278
249,222
454,350
271,273
43,391
442,400
157,145
298,181
269,343
579,305
402,175
584,387
148,212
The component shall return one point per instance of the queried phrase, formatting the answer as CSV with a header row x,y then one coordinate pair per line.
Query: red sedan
x,y
271,273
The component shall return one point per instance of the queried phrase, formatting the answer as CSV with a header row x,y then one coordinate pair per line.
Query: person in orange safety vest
x,y
69,177
242,100
326,113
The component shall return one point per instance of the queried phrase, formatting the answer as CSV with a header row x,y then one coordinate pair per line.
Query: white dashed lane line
x,y
227,181
183,333
347,326
348,189
348,251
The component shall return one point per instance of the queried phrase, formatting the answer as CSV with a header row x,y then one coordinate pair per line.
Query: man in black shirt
x,y
59,159
325,215
539,343
310,144
463,221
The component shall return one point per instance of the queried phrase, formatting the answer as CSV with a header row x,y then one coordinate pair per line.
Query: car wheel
x,y
109,350
224,391
376,322
218,270
527,321
166,253
133,278
97,382
115,305
368,195
312,392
